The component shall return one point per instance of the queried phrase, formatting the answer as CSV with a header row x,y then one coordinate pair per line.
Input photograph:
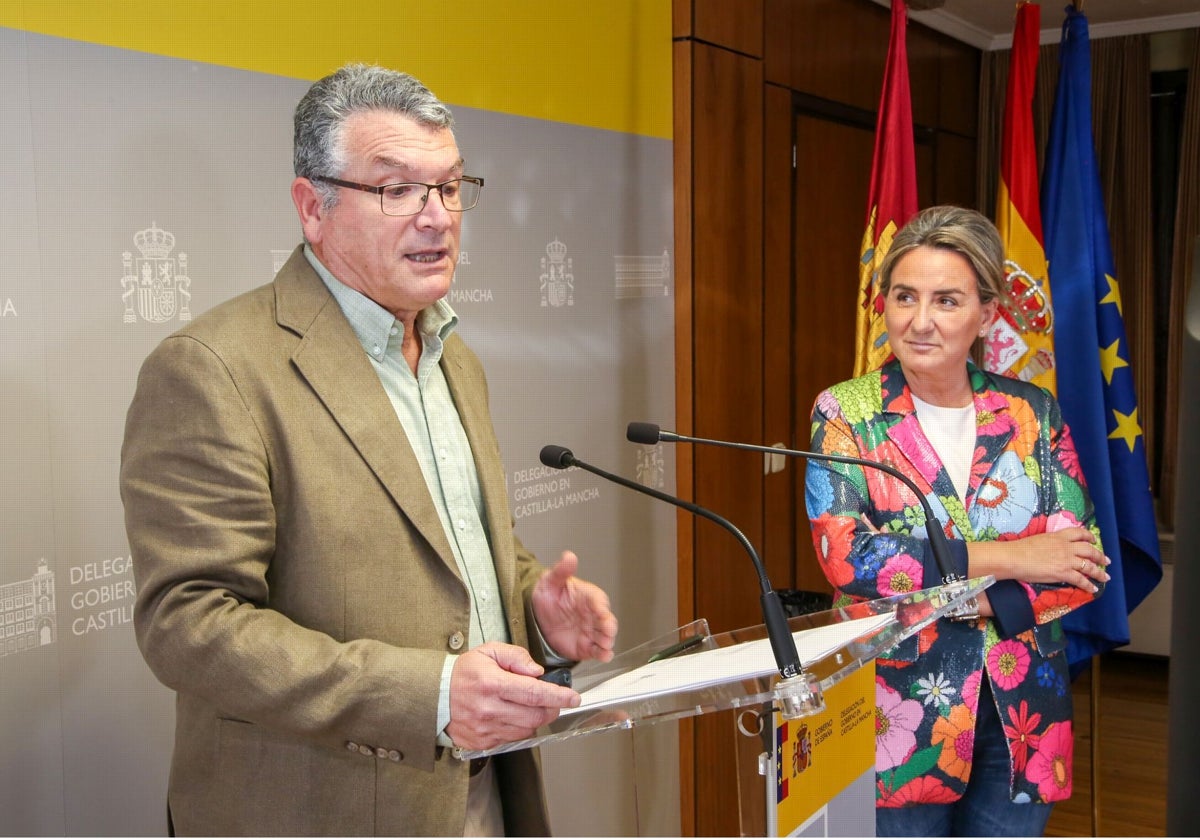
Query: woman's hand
x,y
1067,556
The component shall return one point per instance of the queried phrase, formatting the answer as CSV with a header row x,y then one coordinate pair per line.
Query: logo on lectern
x,y
802,753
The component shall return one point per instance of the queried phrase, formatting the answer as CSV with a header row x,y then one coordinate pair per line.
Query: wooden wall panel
x,y
838,50
736,25
926,170
727,300
681,21
685,564
778,522
684,361
954,177
924,57
833,174
958,88
779,55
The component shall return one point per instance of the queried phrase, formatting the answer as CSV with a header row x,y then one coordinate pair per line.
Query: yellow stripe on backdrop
x,y
572,62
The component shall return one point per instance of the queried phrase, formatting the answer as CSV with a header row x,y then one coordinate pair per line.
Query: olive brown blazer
x,y
295,586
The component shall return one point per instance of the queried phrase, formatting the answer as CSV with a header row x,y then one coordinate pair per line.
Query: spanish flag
x,y
893,196
1020,342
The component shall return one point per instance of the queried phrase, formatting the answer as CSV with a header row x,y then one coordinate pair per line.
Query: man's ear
x,y
309,207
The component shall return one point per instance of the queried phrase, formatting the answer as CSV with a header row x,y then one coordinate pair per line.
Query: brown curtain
x,y
1187,229
1121,130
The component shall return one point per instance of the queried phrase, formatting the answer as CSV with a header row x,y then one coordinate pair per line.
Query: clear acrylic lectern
x,y
690,672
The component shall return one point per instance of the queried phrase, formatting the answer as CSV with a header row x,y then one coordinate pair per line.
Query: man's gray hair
x,y
355,88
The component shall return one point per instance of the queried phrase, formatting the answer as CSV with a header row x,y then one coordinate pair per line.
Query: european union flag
x,y
1095,381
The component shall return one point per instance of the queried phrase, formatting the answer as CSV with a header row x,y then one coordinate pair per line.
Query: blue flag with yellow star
x,y
1095,381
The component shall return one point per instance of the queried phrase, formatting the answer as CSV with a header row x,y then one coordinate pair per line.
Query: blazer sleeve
x,y
1066,504
851,554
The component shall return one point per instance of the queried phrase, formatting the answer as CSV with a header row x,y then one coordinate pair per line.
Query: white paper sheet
x,y
722,665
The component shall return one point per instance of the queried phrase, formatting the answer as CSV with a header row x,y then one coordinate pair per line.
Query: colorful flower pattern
x,y
896,720
1050,766
1025,480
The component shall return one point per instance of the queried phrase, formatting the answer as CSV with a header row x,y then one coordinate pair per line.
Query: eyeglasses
x,y
408,199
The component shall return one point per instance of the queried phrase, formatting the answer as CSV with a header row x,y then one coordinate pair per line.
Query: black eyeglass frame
x,y
354,185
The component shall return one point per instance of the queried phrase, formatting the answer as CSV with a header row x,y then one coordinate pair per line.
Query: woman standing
x,y
974,733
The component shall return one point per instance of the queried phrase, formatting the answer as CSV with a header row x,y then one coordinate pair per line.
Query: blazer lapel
x,y
996,430
905,433
331,360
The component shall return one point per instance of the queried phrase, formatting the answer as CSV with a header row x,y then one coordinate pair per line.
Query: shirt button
x,y
456,640
462,523
394,330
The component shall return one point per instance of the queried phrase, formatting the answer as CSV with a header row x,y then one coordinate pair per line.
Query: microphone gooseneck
x,y
649,433
783,646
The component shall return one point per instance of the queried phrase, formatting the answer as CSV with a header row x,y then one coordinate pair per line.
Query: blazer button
x,y
381,752
395,755
456,640
365,750
353,747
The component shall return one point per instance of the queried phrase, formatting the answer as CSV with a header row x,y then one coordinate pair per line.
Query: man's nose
x,y
434,210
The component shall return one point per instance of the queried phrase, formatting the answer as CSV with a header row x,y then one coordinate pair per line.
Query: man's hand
x,y
496,697
574,615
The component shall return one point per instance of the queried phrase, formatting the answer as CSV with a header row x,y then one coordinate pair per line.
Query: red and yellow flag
x,y
1020,342
893,196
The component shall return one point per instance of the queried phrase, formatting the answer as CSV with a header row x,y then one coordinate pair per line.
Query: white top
x,y
951,432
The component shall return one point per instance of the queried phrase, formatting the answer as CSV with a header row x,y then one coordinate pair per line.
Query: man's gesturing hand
x,y
574,615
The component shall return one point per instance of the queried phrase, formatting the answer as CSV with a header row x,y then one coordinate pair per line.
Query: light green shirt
x,y
430,419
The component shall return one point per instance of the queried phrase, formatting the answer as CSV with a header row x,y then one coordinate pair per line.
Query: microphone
x,y
649,434
799,694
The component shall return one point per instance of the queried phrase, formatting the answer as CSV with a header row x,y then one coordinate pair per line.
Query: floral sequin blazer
x,y
1025,480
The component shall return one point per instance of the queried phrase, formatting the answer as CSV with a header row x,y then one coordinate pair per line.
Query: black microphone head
x,y
558,457
647,433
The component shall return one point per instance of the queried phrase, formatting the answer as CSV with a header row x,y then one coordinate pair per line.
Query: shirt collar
x,y
372,323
